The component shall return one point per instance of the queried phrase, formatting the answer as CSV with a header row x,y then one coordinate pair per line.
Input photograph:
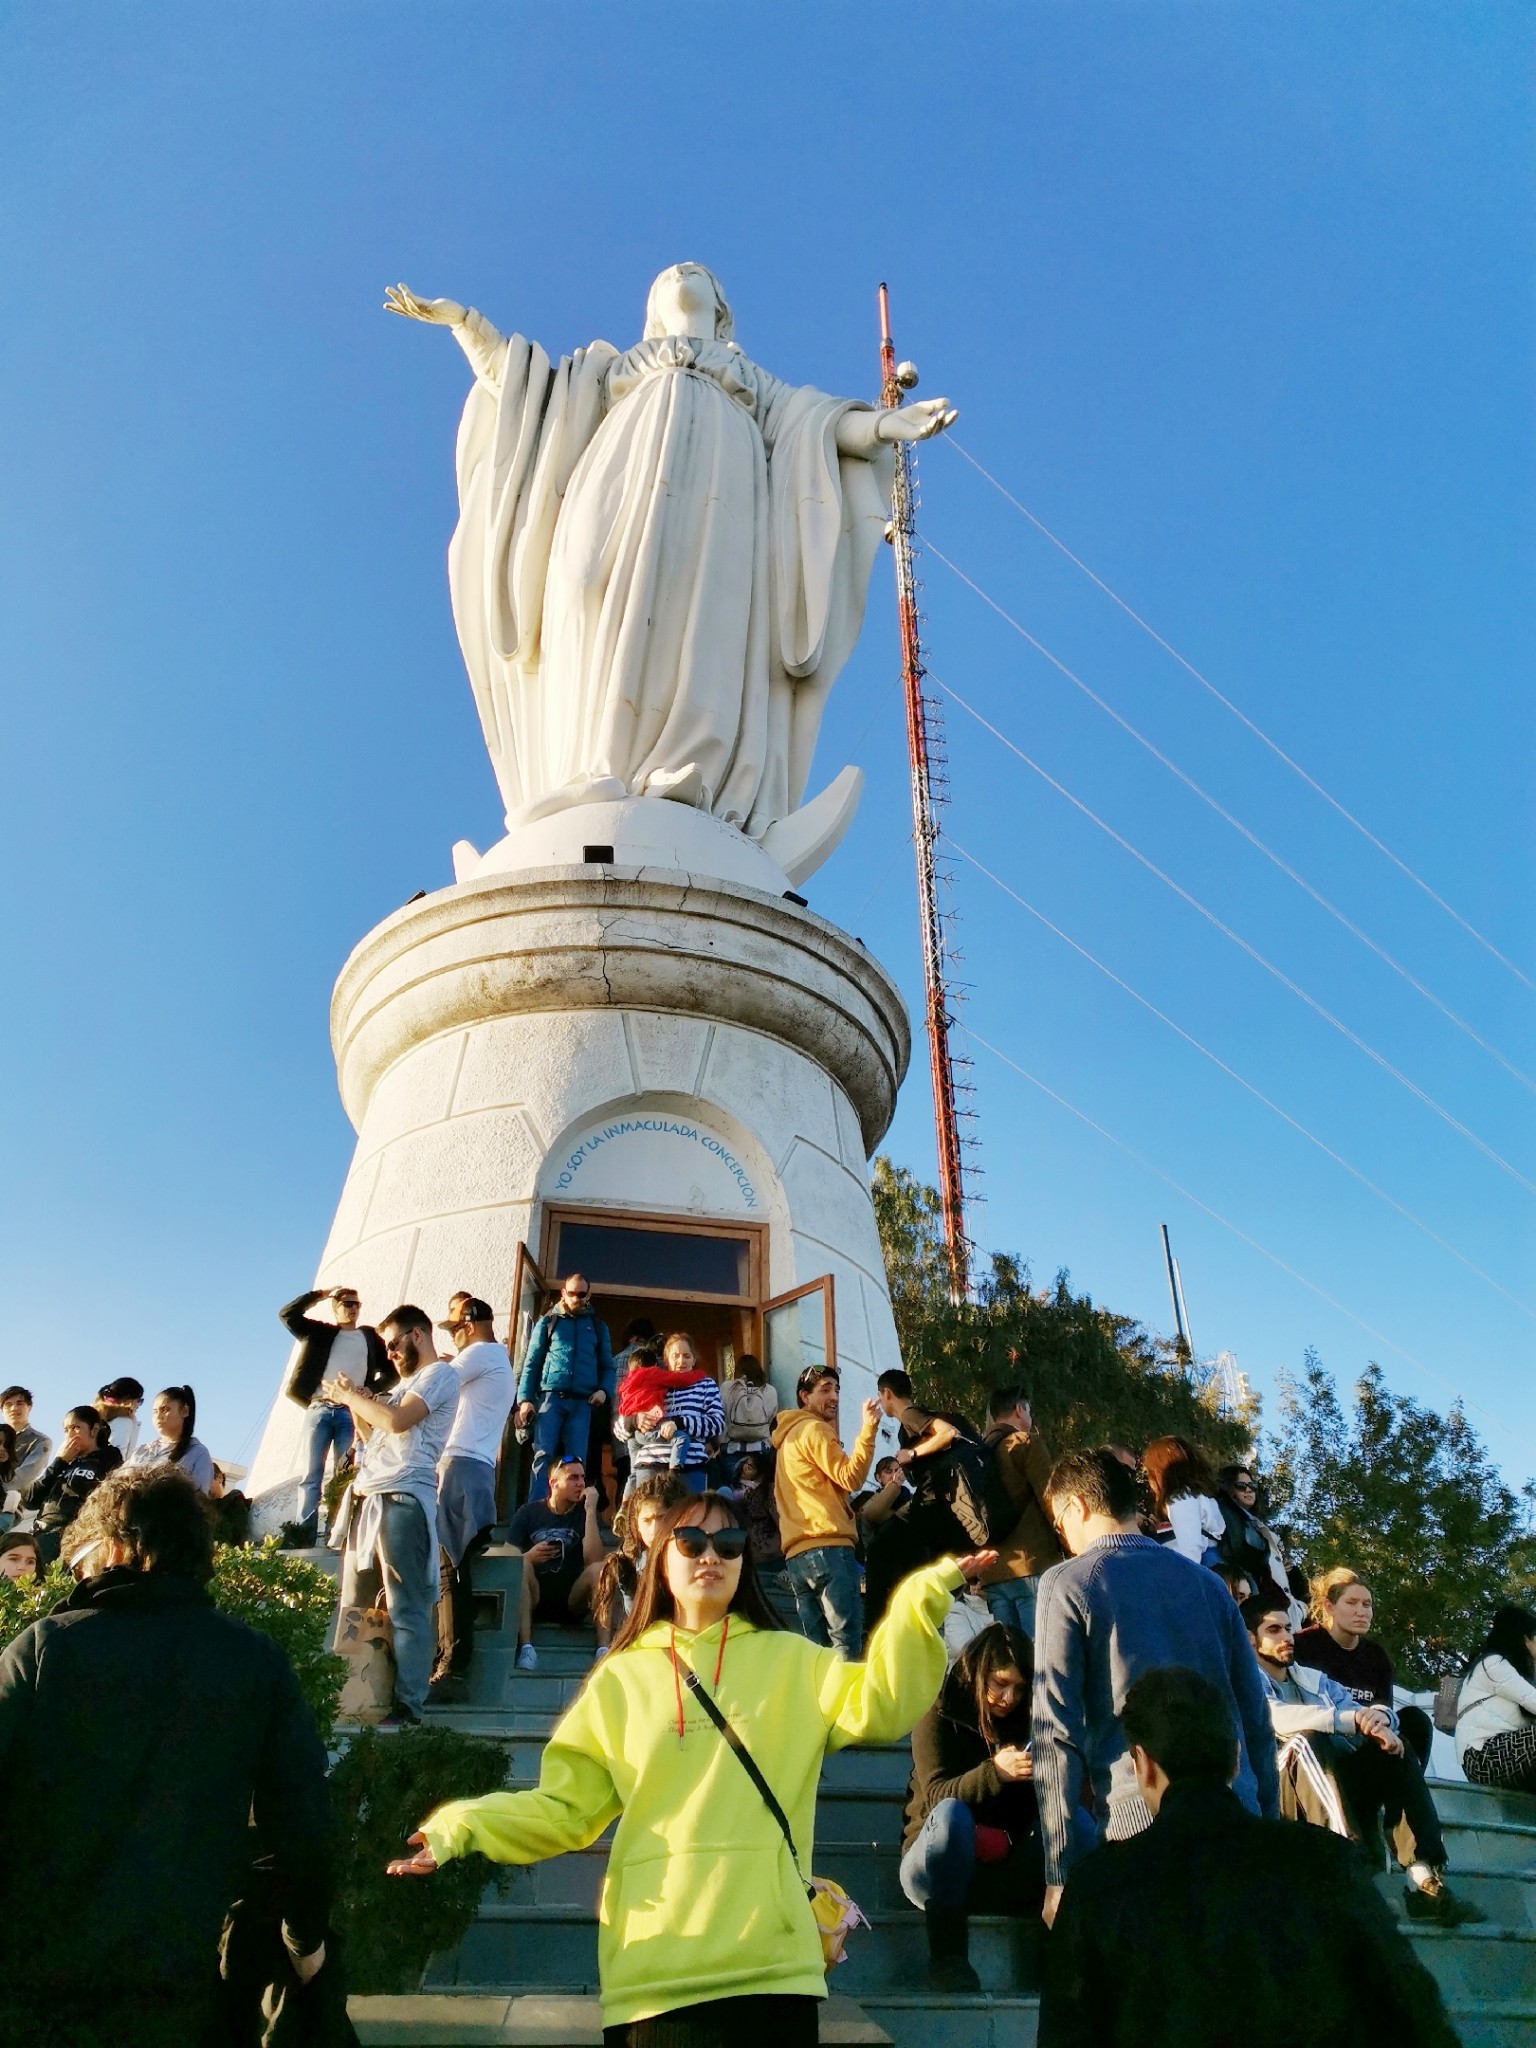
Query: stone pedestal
x,y
641,1040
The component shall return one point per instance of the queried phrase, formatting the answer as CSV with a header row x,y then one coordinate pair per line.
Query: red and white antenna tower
x,y
925,745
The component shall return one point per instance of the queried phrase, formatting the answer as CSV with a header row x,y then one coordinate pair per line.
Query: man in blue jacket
x,y
567,1372
1121,1605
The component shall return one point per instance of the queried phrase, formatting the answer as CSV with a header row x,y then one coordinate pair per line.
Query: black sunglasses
x,y
693,1542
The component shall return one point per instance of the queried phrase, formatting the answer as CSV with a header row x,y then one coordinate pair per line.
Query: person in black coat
x,y
1214,1927
325,1349
86,1455
972,1837
140,1731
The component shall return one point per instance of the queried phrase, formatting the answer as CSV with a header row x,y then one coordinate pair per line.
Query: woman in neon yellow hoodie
x,y
703,1901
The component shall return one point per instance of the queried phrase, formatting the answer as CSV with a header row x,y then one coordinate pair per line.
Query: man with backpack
x,y
1019,1529
942,1458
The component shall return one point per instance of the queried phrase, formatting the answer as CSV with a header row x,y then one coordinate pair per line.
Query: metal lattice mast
x,y
925,747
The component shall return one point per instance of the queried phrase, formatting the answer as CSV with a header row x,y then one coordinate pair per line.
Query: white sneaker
x,y
527,1657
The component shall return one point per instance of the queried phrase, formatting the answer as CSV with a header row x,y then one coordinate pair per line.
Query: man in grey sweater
x,y
1121,1605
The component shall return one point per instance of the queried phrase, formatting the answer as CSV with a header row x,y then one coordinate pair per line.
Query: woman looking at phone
x,y
972,1839
707,1934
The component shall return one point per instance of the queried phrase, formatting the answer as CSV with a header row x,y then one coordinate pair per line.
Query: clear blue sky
x,y
1237,300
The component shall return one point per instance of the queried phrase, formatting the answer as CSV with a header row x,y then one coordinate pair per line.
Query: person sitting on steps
x,y
972,1838
562,1547
1496,1705
1358,1744
650,1501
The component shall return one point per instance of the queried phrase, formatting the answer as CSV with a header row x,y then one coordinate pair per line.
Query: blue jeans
x,y
406,1572
938,1868
827,1598
1012,1602
325,1429
560,1430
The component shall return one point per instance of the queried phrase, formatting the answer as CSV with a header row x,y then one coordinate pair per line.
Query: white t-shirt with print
x,y
486,1388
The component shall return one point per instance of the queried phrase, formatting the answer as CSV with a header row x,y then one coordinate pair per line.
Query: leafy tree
x,y
1091,1375
1411,1501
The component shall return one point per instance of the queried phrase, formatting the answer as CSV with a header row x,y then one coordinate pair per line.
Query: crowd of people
x,y
41,1493
1130,1716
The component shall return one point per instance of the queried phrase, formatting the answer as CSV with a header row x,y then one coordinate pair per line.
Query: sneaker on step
x,y
1436,1903
397,1720
448,1689
527,1657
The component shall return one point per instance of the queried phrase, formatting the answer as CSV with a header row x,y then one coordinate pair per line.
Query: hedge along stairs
x,y
525,1972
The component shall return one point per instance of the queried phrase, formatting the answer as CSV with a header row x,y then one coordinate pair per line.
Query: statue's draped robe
x,y
659,569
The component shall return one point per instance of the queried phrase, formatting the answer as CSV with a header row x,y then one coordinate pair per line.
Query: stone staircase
x,y
526,1972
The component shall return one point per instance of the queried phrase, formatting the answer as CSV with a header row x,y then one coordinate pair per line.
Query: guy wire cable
x,y
1226,1223
1279,974
1259,1096
1243,719
1237,824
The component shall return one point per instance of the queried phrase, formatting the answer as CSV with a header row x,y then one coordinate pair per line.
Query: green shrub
x,y
24,1600
382,1789
294,1603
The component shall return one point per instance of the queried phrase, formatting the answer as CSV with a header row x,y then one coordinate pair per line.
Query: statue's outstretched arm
x,y
480,341
859,433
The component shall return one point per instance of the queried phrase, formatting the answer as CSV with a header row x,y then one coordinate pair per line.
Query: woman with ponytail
x,y
175,1414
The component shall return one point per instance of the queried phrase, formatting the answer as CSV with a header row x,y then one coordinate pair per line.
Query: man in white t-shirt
x,y
392,1543
466,1484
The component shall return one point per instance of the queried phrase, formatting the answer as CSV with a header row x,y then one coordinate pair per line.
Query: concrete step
x,y
913,2020
900,2019
542,2020
1496,1845
1476,1966
870,1873
877,1771
1476,1805
515,1947
1508,1897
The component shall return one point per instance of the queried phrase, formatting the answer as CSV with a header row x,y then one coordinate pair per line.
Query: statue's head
x,y
687,299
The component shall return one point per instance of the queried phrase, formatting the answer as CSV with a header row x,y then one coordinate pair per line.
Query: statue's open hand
x,y
399,298
919,421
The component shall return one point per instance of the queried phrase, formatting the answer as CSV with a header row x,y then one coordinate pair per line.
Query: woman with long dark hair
x,y
972,1839
175,1415
1183,1499
86,1456
1496,1707
707,1938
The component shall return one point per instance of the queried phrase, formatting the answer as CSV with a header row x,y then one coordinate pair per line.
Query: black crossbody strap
x,y
744,1757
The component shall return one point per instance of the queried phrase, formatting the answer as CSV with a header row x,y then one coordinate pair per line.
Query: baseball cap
x,y
473,1310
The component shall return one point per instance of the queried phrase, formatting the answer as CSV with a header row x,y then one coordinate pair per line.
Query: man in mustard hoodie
x,y
811,1484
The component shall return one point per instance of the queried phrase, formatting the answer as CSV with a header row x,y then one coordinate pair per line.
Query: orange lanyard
x,y
677,1677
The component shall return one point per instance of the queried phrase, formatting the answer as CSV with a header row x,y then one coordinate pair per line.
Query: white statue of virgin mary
x,y
661,558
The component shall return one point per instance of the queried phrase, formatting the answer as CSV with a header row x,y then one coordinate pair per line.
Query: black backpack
x,y
970,1482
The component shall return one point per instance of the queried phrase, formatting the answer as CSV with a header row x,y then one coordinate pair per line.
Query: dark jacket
x,y
315,1341
951,1759
63,1489
1216,1929
140,1730
1023,1465
567,1354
